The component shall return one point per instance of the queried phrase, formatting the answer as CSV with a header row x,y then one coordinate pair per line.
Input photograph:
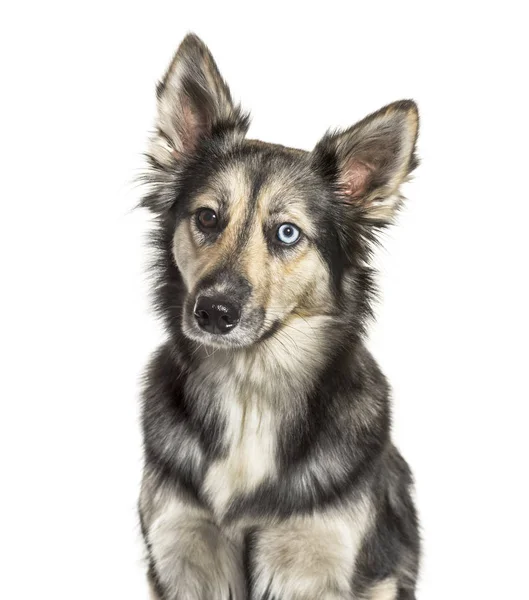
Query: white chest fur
x,y
252,390
250,459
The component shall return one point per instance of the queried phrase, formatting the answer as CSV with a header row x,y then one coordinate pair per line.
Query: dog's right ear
x,y
194,103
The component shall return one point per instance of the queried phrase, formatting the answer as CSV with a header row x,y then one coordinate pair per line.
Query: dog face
x,y
262,235
249,246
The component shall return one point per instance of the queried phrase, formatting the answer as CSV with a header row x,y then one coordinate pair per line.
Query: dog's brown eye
x,y
207,219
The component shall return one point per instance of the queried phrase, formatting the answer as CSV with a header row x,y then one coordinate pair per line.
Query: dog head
x,y
255,236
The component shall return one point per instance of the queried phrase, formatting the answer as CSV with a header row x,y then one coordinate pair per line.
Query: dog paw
x,y
193,582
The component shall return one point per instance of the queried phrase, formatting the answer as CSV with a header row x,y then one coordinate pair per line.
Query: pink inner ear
x,y
355,178
190,129
193,126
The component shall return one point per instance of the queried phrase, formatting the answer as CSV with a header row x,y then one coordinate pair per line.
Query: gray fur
x,y
269,467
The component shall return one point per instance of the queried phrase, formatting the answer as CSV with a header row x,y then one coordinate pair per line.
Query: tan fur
x,y
384,590
312,556
307,276
192,555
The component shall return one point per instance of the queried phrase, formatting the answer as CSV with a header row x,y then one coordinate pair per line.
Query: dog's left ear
x,y
368,162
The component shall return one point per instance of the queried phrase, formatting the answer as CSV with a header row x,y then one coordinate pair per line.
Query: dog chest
x,y
249,459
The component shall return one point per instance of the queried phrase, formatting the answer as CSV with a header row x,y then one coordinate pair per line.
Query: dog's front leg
x,y
304,558
191,559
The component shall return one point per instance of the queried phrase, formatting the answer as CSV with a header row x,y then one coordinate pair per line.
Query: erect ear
x,y
369,161
194,103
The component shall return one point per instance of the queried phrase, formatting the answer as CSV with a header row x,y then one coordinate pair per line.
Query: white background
x,y
77,102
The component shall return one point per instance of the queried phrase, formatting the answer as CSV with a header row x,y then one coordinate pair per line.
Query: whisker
x,y
268,342
288,337
199,346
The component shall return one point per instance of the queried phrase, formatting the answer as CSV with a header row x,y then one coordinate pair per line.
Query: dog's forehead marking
x,y
262,194
284,197
234,184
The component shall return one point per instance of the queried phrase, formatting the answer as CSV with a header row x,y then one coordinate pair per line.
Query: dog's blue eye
x,y
288,234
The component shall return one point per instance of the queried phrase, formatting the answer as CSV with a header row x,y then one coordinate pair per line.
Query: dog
x,y
269,468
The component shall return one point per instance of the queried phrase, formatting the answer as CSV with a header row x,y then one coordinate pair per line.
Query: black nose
x,y
216,315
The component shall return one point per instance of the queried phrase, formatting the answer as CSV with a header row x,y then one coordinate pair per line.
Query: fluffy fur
x,y
269,468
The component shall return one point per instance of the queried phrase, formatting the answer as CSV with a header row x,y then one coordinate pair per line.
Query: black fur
x,y
345,415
